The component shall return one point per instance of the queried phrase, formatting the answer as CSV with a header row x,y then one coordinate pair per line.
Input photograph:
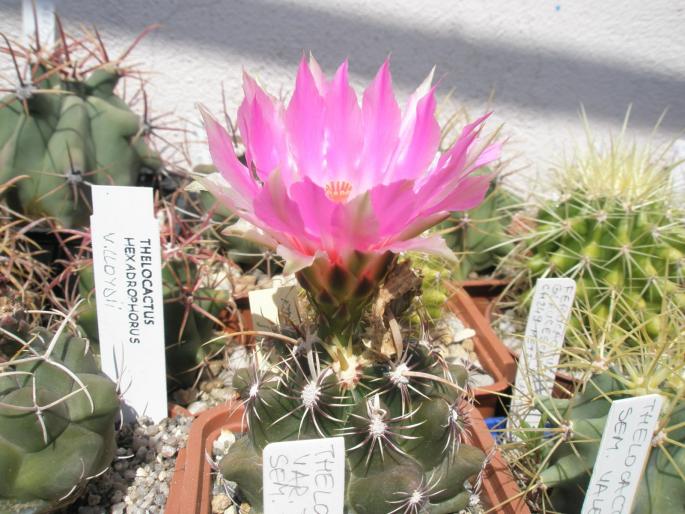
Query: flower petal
x,y
315,208
260,120
223,155
278,213
226,194
418,142
343,126
381,124
304,120
295,260
433,244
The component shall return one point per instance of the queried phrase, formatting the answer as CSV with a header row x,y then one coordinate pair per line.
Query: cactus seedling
x,y
57,413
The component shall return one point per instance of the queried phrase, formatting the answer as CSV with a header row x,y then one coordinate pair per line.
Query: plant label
x,y
544,337
304,477
128,290
273,307
41,21
623,452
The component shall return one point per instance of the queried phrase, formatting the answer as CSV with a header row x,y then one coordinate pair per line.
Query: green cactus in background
x,y
57,413
614,229
433,271
403,412
65,128
480,237
558,456
662,488
192,308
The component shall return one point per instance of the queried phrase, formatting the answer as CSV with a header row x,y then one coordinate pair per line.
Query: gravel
x,y
138,480
456,341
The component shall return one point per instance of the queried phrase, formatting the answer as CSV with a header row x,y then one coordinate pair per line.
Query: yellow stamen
x,y
338,190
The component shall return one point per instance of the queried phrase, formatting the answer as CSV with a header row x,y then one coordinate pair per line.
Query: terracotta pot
x,y
565,384
492,354
501,493
191,485
483,291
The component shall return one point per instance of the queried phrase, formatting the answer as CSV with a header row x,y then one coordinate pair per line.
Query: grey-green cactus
x,y
404,418
662,488
64,128
619,358
57,413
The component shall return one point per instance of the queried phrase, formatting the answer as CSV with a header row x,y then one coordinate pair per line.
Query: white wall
x,y
541,57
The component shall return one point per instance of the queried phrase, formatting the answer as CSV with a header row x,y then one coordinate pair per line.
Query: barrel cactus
x,y
64,128
57,413
614,228
404,417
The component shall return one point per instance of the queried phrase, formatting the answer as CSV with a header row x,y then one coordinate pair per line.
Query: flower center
x,y
338,190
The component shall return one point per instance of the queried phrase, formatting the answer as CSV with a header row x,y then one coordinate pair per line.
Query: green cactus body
x,y
570,465
633,252
615,230
63,134
404,421
480,236
57,413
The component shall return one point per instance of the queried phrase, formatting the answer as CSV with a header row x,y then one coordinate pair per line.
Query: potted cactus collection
x,y
412,267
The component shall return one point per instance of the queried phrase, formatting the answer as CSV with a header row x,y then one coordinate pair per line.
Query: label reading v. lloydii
x,y
128,290
304,477
626,442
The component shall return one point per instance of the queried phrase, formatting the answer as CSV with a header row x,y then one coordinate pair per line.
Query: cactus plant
x,y
23,277
339,198
404,419
614,228
480,237
65,128
557,457
57,413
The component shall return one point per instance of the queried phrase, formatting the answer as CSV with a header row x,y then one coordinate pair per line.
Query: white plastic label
x,y
44,17
539,358
622,455
304,477
128,290
273,307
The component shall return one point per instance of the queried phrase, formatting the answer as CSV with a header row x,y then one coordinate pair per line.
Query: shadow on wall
x,y
536,79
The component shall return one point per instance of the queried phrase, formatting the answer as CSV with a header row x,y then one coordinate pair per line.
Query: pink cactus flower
x,y
328,178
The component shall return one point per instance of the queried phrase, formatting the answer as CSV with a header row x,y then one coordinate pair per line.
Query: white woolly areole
x,y
310,394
